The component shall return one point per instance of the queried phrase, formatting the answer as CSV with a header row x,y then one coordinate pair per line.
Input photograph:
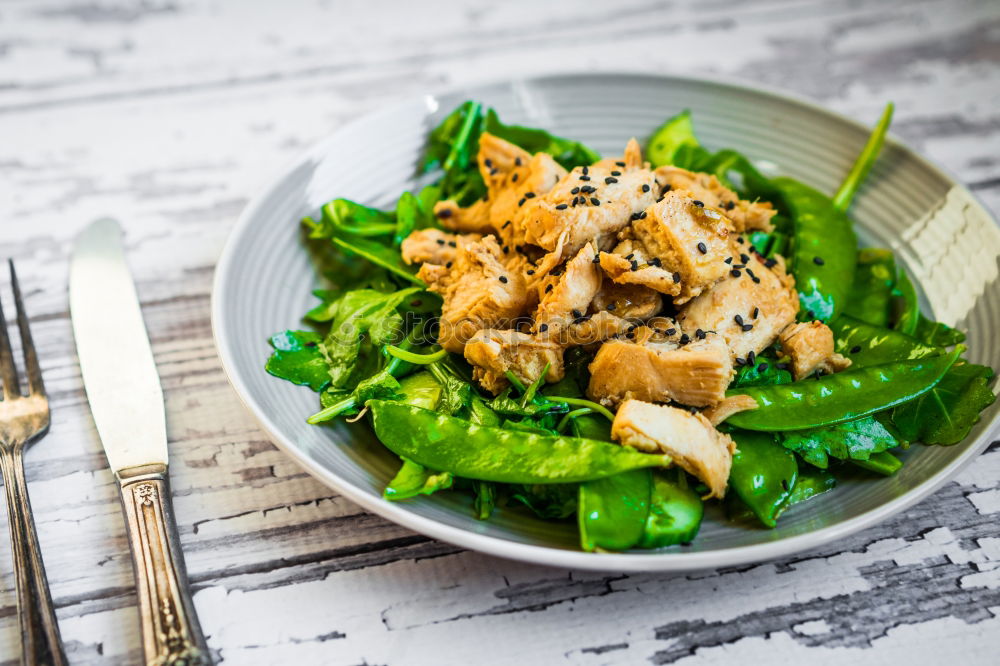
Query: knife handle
x,y
171,635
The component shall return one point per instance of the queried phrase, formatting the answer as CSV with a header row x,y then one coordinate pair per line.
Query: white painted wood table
x,y
169,115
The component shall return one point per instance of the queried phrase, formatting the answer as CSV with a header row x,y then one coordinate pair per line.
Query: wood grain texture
x,y
168,115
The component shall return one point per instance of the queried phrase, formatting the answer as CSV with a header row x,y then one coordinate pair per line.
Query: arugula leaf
x,y
565,151
945,414
414,479
380,255
407,214
298,358
853,440
343,216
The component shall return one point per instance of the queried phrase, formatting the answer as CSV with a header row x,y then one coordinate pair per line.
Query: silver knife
x,y
126,400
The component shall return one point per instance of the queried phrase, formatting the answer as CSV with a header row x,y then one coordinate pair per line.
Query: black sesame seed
x,y
587,189
448,265
756,280
584,177
505,249
685,338
620,164
505,224
670,331
735,272
597,258
529,195
503,278
738,319
702,248
444,213
630,255
770,263
562,207
700,334
548,289
635,216
576,313
575,190
531,271
752,276
642,215
855,349
809,313
740,361
543,328
635,265
751,358
440,241
452,244
699,204
677,277
747,327
645,187
729,205
513,178
586,170
656,261
739,239
609,180
595,201
521,202
762,367
517,161
756,311
729,260
611,307
744,258
818,261
781,366
784,485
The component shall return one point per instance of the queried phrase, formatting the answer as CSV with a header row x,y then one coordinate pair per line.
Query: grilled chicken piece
x,y
694,374
570,206
730,405
749,307
498,160
629,301
688,239
810,348
479,292
474,219
632,159
433,246
492,353
689,439
567,295
596,328
629,264
705,187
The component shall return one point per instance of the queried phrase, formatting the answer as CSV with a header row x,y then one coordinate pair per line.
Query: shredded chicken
x,y
628,263
493,353
479,292
632,159
565,297
694,374
595,328
627,301
688,438
810,348
705,187
749,307
730,405
474,219
433,246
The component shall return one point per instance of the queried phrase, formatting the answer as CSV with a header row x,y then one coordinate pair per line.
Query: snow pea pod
x,y
675,511
866,344
870,296
763,474
612,511
883,463
494,454
840,397
824,253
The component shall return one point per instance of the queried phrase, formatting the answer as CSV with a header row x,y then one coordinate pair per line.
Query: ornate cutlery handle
x,y
171,635
40,642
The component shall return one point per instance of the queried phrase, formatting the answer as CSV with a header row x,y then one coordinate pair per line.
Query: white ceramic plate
x,y
945,238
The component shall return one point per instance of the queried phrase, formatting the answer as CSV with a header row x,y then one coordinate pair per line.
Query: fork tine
x,y
8,373
34,371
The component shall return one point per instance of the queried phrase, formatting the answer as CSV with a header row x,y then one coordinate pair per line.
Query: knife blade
x,y
126,400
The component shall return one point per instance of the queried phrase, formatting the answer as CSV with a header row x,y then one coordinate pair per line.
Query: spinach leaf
x,y
343,216
414,479
675,143
937,334
407,214
945,414
380,255
853,440
764,372
905,308
456,394
565,151
299,358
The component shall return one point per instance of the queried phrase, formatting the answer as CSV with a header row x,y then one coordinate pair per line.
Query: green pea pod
x,y
905,305
865,161
866,344
612,511
840,397
763,474
494,454
883,463
675,511
824,254
870,297
810,483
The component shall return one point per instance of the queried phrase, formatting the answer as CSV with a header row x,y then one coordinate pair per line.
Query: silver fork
x,y
24,419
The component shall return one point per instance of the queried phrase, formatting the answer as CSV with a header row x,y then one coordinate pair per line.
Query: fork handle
x,y
40,642
171,634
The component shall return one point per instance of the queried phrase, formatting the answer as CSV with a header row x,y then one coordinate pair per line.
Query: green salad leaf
x,y
299,358
856,440
945,414
414,479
